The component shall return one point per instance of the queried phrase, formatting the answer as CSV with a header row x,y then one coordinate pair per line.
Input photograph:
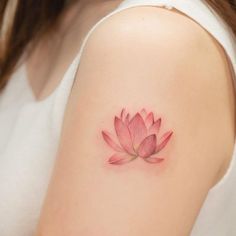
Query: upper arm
x,y
140,58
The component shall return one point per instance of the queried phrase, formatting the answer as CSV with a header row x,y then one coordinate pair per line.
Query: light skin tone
x,y
163,62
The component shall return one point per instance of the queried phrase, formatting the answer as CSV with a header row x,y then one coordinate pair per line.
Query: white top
x,y
30,132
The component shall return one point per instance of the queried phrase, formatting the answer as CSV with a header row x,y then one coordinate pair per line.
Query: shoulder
x,y
161,56
149,37
156,26
154,33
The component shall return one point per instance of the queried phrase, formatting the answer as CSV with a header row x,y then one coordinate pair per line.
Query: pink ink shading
x,y
136,137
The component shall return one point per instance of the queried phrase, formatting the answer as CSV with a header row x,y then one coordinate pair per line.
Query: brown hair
x,y
26,21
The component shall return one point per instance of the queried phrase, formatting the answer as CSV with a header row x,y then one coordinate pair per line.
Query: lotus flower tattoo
x,y
137,137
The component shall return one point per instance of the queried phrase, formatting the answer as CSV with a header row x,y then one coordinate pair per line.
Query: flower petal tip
x,y
104,134
164,140
119,159
149,120
154,160
122,114
118,162
168,134
110,142
143,112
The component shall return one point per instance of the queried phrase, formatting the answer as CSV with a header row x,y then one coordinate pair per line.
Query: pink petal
x,y
127,119
154,129
123,135
148,146
149,119
119,159
137,129
153,160
122,114
110,142
164,140
143,113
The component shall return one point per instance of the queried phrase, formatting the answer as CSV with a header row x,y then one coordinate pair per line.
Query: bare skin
x,y
137,188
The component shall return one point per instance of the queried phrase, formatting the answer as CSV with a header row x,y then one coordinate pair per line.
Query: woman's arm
x,y
150,58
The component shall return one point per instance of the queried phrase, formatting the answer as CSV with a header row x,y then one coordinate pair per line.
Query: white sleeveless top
x,y
30,133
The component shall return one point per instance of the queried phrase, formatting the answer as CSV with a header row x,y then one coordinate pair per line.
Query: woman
x,y
117,118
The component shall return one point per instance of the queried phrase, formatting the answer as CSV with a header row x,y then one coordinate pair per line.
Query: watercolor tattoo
x,y
137,137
